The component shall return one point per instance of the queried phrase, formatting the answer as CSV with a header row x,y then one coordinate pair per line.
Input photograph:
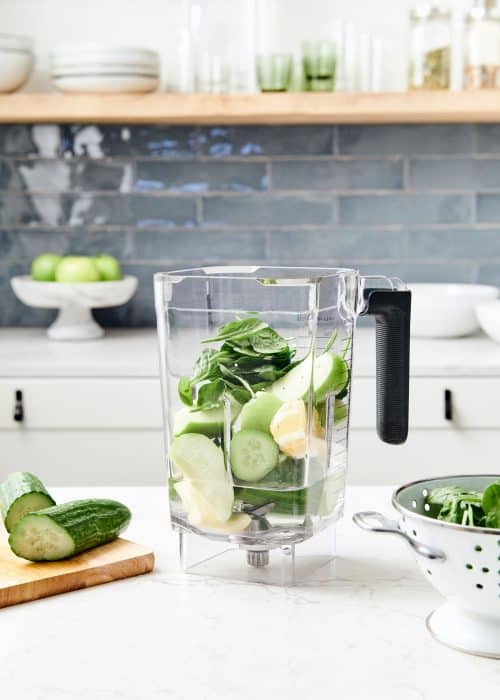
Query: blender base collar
x,y
307,562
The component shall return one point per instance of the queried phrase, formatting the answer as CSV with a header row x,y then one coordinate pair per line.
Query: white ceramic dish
x,y
102,52
106,83
15,68
91,66
488,315
74,301
111,71
447,310
461,562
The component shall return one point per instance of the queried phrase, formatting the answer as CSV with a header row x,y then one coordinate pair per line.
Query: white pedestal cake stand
x,y
74,301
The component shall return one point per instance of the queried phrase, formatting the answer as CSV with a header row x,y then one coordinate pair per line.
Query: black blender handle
x,y
391,309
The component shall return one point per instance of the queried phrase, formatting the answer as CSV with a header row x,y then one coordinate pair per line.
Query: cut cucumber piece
x,y
258,413
331,374
253,455
68,529
22,493
202,463
201,511
209,423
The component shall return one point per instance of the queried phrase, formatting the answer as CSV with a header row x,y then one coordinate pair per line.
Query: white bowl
x,y
91,66
447,310
488,315
74,301
92,70
105,83
15,68
101,52
461,562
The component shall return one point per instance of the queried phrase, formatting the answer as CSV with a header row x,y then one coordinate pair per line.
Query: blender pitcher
x,y
256,368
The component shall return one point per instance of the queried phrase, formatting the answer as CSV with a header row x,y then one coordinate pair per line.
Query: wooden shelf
x,y
289,108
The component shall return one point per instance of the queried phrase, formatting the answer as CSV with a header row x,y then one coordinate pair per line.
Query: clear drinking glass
x,y
319,61
430,48
256,380
274,72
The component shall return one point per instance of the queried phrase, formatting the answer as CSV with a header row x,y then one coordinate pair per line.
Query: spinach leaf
x,y
235,330
185,391
210,395
226,372
267,342
458,505
204,365
491,505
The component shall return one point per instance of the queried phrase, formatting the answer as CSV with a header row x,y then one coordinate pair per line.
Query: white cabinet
x,y
92,411
83,431
464,439
79,431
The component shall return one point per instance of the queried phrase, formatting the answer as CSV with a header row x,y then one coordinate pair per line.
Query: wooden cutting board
x,y
21,580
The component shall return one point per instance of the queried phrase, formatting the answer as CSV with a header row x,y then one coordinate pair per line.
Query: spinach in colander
x,y
454,504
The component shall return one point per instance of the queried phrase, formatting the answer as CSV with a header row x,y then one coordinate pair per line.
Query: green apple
x,y
108,266
43,267
77,268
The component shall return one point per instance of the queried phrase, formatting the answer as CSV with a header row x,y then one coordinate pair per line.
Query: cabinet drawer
x,y
82,403
475,402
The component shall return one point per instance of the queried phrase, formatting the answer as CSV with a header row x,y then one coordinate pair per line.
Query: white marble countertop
x,y
26,352
360,636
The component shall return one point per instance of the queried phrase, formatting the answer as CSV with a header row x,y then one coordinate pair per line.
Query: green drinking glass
x,y
274,72
319,62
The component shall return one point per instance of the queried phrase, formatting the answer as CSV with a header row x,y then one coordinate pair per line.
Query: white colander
x,y
462,563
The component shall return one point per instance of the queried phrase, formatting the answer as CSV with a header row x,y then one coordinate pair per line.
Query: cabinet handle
x,y
18,407
448,405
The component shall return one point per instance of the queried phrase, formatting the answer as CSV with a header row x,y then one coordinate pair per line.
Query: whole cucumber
x,y
68,529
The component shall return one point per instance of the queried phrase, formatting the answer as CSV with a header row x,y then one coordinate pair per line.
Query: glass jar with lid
x,y
482,45
430,48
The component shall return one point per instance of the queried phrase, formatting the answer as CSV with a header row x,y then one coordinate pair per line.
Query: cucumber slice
x,y
331,374
202,463
209,423
22,493
201,512
253,455
258,413
68,529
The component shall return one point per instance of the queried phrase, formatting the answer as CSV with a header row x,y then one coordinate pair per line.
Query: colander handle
x,y
391,309
376,522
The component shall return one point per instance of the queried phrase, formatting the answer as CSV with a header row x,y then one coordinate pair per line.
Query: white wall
x,y
157,24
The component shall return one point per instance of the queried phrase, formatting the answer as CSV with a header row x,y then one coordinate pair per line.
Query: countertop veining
x,y
358,636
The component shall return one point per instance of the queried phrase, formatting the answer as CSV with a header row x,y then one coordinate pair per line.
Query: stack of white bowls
x,y
16,61
103,68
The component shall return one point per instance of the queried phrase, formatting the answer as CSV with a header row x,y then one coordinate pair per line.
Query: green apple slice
x,y
258,413
331,374
202,463
209,423
209,504
295,384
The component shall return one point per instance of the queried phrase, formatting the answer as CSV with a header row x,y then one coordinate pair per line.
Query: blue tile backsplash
x,y
418,202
